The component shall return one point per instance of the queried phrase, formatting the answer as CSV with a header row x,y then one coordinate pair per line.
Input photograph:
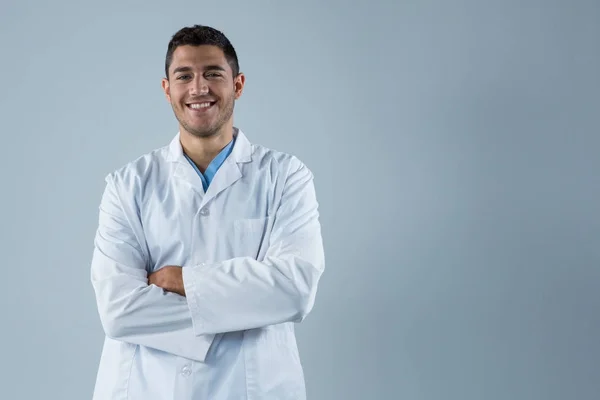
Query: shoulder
x,y
135,173
141,166
283,163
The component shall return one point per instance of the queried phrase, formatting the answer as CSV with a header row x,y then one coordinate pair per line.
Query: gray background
x,y
455,146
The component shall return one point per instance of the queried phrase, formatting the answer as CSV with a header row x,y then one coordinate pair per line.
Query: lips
x,y
200,106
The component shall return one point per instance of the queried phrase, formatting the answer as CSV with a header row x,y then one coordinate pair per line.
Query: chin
x,y
203,133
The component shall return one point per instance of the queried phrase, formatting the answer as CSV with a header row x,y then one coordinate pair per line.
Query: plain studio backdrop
x,y
455,147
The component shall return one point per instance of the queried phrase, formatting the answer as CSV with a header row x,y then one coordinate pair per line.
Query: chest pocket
x,y
250,237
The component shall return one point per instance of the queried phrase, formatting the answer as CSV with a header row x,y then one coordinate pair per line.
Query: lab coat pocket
x,y
250,237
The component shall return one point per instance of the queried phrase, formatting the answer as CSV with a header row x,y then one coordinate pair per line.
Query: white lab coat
x,y
252,256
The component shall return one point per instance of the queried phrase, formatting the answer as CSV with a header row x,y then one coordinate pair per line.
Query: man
x,y
208,250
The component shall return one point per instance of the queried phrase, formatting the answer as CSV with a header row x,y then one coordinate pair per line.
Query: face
x,y
202,90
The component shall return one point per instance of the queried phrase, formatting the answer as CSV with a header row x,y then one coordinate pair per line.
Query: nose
x,y
199,87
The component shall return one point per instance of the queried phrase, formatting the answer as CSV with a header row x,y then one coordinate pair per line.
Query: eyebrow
x,y
207,68
182,69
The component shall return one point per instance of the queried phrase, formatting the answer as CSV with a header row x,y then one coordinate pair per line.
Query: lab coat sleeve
x,y
131,310
245,293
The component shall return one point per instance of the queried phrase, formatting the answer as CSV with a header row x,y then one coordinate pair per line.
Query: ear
x,y
166,89
238,85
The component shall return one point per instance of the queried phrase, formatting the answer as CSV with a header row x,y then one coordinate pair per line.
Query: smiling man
x,y
208,250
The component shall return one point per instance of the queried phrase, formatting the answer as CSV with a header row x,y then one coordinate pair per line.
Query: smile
x,y
201,106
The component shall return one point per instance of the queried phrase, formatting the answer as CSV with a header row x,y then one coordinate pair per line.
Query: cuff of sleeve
x,y
202,346
191,295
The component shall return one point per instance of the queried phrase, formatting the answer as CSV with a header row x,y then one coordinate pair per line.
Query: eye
x,y
183,77
213,75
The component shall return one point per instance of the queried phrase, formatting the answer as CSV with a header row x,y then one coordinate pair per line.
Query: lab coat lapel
x,y
182,169
186,173
226,176
231,170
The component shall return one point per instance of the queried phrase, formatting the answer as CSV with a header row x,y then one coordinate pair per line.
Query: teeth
x,y
199,105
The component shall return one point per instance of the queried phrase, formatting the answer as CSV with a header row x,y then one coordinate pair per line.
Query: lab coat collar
x,y
227,175
241,153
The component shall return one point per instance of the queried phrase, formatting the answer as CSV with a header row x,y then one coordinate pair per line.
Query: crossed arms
x,y
179,310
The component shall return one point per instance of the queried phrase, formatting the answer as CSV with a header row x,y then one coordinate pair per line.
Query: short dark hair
x,y
199,35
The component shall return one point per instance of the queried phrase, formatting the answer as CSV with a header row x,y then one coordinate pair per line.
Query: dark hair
x,y
199,35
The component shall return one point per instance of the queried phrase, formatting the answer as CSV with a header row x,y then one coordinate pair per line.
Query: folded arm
x,y
131,310
245,293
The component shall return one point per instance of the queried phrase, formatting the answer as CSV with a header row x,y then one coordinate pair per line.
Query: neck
x,y
202,150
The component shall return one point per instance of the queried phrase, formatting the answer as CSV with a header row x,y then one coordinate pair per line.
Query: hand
x,y
169,278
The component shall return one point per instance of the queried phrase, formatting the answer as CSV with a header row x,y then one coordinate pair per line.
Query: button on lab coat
x,y
252,255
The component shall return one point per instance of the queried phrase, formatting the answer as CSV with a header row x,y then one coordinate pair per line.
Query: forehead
x,y
198,57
